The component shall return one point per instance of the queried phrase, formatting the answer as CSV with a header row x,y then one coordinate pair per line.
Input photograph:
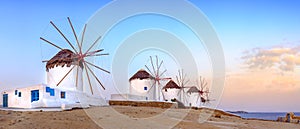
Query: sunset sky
x,y
260,40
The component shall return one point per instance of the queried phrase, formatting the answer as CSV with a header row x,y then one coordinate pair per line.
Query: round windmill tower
x,y
199,94
158,78
140,84
170,90
59,65
68,68
182,83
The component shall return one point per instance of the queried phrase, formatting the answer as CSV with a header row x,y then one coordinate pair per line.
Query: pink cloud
x,y
284,59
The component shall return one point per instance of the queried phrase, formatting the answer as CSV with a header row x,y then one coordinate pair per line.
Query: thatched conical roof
x,y
171,85
193,89
141,74
62,58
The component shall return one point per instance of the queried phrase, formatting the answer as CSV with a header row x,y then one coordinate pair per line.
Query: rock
x,y
294,121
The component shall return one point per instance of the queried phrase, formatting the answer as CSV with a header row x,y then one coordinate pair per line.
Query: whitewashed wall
x,y
170,94
137,88
192,99
127,97
55,74
25,100
46,100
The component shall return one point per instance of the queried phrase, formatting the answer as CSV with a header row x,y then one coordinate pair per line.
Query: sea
x,y
264,115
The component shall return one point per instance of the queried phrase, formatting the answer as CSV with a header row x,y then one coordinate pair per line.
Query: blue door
x,y
35,95
5,100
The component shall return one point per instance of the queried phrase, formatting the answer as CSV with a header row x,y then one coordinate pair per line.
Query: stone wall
x,y
144,104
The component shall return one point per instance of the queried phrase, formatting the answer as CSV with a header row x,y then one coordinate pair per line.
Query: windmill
x,y
78,57
201,91
182,82
158,77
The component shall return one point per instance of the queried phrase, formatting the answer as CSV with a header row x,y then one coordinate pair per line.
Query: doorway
x,y
5,100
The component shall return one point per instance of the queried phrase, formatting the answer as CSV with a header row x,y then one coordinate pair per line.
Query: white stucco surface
x,y
74,95
46,100
54,75
137,88
170,93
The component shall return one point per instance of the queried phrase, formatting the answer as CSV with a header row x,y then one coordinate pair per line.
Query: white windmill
x,y
66,61
200,93
157,73
182,83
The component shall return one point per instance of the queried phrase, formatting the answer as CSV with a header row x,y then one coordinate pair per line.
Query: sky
x,y
260,40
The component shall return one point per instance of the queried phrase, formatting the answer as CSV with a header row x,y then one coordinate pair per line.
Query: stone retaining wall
x,y
144,104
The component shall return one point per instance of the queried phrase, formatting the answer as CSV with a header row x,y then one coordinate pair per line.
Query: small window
x,y
20,95
16,92
63,94
47,89
145,88
52,92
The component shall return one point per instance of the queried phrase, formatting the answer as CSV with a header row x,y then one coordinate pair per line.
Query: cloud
x,y
284,59
262,82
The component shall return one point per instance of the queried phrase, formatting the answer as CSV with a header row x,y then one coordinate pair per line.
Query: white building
x,y
140,86
194,97
50,95
170,91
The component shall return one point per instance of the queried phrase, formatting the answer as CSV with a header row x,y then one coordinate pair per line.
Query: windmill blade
x,y
166,78
186,100
185,81
151,87
89,80
205,84
162,73
157,71
51,43
158,81
207,90
82,37
153,66
198,99
104,54
197,86
44,61
65,75
182,77
160,65
163,94
178,92
203,100
200,79
74,34
179,77
95,77
201,84
93,44
161,91
97,67
149,70
177,80
77,75
93,52
183,98
64,36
